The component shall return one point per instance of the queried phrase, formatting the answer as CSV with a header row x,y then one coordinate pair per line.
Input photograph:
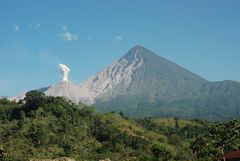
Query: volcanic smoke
x,y
64,72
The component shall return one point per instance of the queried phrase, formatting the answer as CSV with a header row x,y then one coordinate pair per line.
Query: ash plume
x,y
64,72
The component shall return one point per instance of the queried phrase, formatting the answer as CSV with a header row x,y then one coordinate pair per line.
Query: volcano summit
x,y
142,84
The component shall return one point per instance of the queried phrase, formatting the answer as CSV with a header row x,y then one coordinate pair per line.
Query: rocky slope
x,y
121,71
70,91
65,89
142,84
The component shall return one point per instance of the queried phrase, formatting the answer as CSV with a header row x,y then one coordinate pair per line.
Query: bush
x,y
161,151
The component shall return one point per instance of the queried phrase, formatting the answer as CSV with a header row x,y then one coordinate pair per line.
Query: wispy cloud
x,y
16,27
34,27
89,37
117,38
38,27
66,35
65,27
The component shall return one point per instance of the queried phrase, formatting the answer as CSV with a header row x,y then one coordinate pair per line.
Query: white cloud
x,y
38,27
65,27
117,38
66,35
16,27
34,27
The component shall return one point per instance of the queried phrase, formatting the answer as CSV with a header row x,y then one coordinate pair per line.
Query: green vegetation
x,y
45,127
218,139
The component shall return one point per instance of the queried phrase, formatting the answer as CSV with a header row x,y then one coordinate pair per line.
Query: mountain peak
x,y
139,47
139,51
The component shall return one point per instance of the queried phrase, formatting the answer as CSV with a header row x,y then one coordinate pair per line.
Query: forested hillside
x,y
41,127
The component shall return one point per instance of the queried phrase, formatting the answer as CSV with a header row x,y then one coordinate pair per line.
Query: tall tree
x,y
220,138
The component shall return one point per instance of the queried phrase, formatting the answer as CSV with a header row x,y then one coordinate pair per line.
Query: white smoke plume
x,y
64,72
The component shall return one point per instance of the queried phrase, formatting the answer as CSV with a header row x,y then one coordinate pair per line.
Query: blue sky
x,y
202,36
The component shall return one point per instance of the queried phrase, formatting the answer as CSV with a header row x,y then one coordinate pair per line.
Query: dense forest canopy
x,y
50,127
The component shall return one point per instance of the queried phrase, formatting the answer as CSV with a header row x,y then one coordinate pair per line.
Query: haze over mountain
x,y
142,84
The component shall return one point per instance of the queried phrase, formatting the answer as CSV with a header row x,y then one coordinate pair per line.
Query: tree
x,y
38,135
177,126
22,115
174,139
161,151
3,154
121,114
221,137
33,100
21,118
87,111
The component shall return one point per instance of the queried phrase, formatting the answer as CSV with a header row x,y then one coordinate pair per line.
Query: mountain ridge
x,y
141,83
150,57
162,88
155,68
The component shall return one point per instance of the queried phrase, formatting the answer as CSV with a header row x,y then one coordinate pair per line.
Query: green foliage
x,y
38,135
161,151
33,100
3,154
51,127
220,138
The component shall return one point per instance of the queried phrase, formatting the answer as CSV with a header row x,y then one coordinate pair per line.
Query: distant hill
x,y
65,89
142,84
